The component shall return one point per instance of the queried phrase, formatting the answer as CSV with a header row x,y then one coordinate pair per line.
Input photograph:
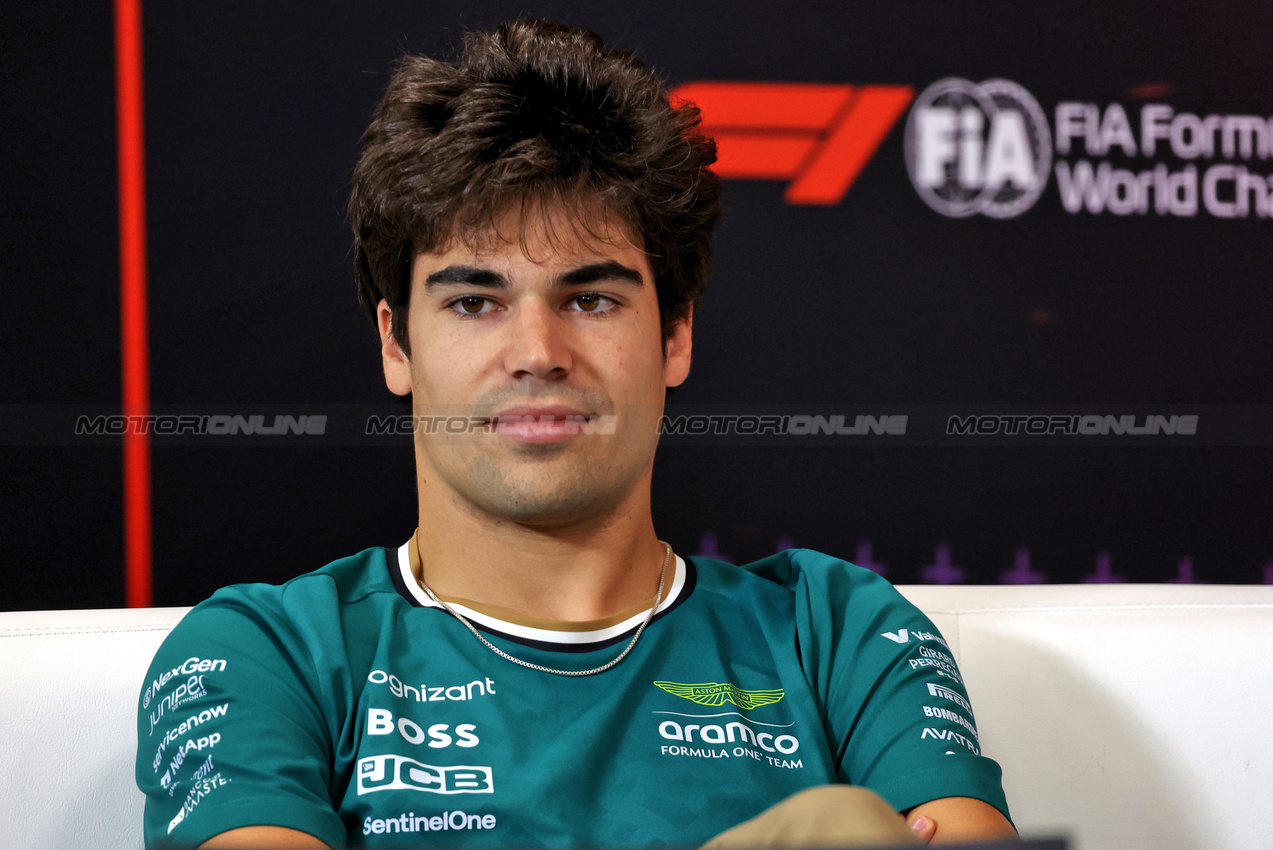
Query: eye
x,y
471,305
592,302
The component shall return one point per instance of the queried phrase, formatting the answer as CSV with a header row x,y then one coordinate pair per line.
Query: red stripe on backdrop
x,y
134,341
850,145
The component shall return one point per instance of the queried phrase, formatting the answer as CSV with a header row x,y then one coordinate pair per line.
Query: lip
x,y
540,423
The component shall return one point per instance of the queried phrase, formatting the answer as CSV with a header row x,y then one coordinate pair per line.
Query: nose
x,y
538,342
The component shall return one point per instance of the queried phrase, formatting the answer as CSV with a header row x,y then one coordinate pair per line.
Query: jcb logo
x,y
818,136
400,773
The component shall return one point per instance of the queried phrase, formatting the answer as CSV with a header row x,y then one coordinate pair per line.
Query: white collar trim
x,y
544,635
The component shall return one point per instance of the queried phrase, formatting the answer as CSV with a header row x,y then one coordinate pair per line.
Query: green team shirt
x,y
347,705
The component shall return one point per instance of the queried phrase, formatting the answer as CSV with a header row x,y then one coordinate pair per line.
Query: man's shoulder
x,y
824,590
796,571
357,581
325,618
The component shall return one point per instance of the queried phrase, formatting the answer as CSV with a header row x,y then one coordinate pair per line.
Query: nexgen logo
x,y
818,136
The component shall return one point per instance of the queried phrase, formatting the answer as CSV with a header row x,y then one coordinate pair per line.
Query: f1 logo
x,y
818,136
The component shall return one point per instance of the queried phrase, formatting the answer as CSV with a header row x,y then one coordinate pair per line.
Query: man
x,y
534,667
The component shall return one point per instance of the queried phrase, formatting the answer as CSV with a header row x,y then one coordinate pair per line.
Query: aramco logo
x,y
978,148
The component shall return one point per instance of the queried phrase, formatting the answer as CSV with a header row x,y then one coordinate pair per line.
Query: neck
x,y
567,571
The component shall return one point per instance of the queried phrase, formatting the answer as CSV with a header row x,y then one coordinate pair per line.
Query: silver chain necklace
x,y
658,597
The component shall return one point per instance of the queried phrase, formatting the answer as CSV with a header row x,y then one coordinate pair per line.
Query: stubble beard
x,y
542,486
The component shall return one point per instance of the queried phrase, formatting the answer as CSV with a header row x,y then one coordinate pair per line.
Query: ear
x,y
396,363
676,357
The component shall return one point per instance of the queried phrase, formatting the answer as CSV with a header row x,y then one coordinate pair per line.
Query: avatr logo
x,y
978,148
818,136
719,693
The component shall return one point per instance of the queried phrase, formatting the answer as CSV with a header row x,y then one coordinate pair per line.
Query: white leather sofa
x,y
1125,716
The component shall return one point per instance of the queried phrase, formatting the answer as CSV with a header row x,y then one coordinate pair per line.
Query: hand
x,y
824,816
962,819
924,828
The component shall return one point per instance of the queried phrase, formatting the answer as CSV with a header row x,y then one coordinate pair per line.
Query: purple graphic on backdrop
x,y
1103,574
942,571
1184,572
1021,572
707,547
864,558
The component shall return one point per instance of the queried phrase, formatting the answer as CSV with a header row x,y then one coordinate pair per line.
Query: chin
x,y
540,498
546,484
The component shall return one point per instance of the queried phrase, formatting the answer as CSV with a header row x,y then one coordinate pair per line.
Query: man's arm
x,y
263,838
961,819
247,693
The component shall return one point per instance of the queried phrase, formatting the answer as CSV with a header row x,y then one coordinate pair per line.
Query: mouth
x,y
536,424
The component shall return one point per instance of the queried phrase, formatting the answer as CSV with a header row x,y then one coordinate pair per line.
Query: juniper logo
x,y
719,693
978,148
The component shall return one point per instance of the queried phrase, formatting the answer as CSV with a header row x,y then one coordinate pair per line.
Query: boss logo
x,y
380,721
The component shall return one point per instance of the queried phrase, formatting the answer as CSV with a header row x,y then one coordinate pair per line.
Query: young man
x,y
534,667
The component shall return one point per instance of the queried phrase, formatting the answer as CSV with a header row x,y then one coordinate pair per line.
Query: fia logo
x,y
978,148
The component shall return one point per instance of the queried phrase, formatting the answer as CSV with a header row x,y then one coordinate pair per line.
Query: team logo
x,y
719,693
978,148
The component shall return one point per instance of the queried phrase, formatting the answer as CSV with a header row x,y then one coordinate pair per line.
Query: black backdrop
x,y
253,113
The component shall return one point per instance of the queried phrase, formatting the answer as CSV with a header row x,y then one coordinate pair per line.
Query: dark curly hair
x,y
533,112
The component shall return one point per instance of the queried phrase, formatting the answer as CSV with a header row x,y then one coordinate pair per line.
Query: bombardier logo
x,y
978,148
719,693
818,136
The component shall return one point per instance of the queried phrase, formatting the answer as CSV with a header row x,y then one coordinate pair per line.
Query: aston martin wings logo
x,y
719,693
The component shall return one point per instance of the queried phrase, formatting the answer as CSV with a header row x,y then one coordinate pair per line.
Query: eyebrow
x,y
461,275
465,276
593,272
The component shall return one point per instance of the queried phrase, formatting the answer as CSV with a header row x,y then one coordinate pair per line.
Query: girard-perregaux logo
x,y
719,693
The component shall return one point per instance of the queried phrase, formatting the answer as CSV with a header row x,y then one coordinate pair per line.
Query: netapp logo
x,y
978,148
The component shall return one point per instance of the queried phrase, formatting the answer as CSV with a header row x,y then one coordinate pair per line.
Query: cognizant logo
x,y
978,148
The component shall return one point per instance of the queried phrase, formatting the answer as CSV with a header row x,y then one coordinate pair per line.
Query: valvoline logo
x,y
818,136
